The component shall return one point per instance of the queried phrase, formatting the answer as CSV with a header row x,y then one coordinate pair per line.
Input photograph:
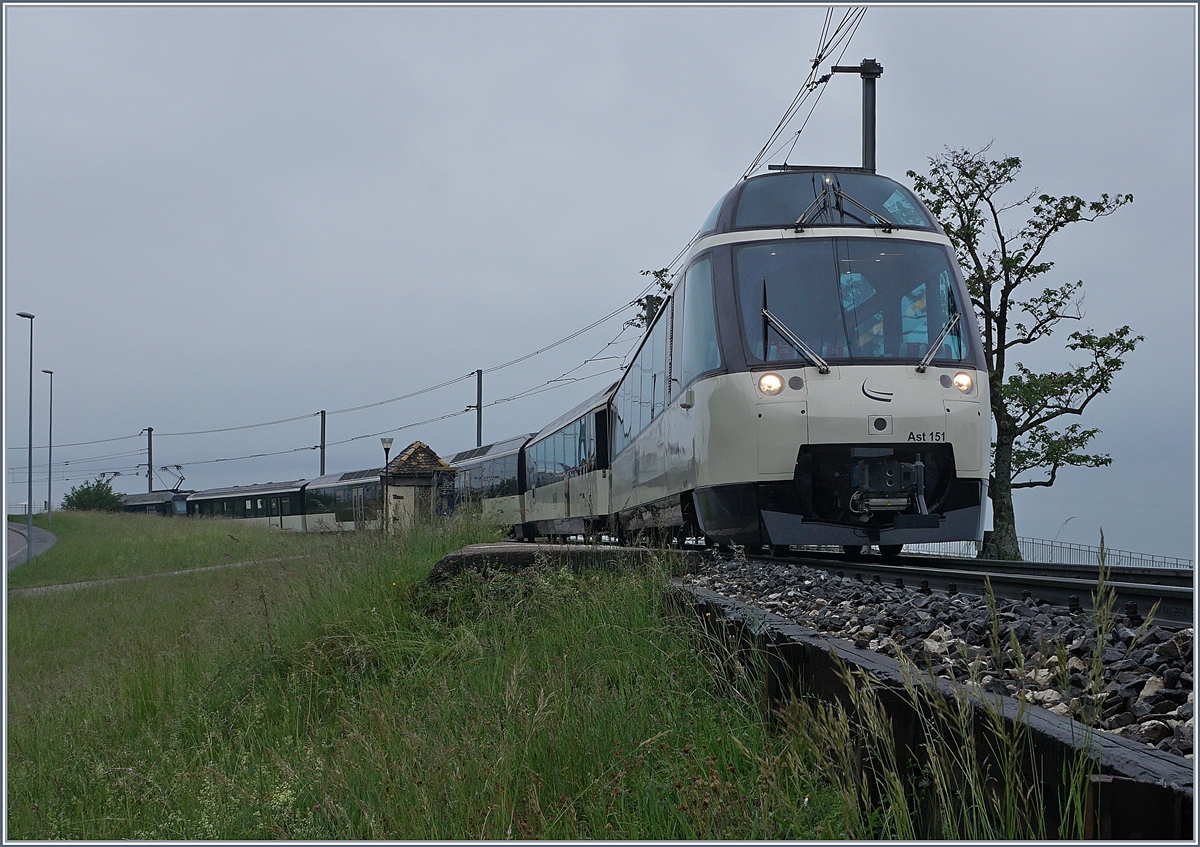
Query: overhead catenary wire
x,y
560,381
841,36
820,94
375,404
557,382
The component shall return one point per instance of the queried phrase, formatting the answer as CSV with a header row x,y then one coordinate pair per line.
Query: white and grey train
x,y
815,377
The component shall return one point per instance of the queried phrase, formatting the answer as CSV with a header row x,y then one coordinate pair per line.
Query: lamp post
x,y
50,451
29,497
387,506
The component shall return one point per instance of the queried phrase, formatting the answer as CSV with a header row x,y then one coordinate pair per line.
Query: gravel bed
x,y
1148,684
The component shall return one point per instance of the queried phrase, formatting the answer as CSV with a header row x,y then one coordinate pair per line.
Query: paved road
x,y
42,541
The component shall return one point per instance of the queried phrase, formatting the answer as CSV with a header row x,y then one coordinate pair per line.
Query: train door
x,y
274,512
360,508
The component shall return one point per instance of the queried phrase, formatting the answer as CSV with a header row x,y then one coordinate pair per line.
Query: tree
x,y
651,303
1004,269
95,496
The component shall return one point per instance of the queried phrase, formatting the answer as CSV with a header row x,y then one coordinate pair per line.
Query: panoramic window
x,y
848,299
700,350
566,452
852,199
710,223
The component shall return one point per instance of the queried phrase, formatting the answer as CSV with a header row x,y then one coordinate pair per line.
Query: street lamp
x,y
387,506
50,451
29,497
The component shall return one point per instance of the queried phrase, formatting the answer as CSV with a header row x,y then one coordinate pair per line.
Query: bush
x,y
95,496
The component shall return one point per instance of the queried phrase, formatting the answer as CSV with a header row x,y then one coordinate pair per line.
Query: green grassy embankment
x,y
100,545
332,693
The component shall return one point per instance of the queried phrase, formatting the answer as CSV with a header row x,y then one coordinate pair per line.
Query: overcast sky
x,y
228,215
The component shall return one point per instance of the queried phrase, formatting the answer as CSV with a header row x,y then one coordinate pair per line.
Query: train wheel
x,y
780,551
852,549
890,551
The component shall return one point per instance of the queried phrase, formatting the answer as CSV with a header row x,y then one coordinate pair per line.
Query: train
x,y
340,501
814,377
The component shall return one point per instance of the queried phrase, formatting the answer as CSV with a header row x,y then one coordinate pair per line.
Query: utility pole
x,y
869,70
29,505
149,460
50,452
322,442
479,408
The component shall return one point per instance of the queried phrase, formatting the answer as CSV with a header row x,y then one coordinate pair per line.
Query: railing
x,y
1058,553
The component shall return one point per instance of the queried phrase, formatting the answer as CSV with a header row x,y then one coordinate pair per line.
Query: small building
x,y
166,503
417,486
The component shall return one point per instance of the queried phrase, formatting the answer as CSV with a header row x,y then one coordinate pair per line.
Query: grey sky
x,y
227,215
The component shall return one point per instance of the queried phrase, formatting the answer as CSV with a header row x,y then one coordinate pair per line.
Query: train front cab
x,y
880,443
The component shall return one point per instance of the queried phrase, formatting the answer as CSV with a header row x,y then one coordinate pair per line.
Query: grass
x,y
340,695
100,545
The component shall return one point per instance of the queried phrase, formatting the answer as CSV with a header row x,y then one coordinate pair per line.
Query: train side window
x,y
676,364
700,350
657,361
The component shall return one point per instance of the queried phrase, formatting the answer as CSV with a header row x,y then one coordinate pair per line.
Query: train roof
x,y
249,490
153,498
785,194
488,451
596,401
331,479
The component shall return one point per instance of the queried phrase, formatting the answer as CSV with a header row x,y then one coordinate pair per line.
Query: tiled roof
x,y
416,458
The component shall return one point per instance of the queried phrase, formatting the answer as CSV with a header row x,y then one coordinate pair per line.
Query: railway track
x,y
1137,590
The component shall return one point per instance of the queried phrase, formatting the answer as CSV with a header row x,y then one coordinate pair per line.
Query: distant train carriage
x,y
165,503
566,485
277,504
490,475
352,500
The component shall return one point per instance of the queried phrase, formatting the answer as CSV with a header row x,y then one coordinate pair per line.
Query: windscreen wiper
x,y
839,196
888,226
937,345
794,340
822,198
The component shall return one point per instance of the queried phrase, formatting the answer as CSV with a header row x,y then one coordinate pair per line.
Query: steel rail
x,y
1009,580
1091,573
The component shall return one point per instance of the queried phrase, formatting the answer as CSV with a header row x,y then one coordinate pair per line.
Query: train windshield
x,y
828,199
849,299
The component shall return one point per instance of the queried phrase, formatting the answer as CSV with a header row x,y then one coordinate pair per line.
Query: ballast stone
x,y
1147,679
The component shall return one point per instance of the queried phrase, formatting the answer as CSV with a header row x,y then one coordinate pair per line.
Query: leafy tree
x,y
652,302
1004,270
95,496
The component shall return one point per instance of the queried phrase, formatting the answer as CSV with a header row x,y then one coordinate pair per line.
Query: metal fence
x,y
1059,553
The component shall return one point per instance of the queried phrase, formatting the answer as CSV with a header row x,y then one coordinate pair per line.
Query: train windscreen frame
x,y
849,299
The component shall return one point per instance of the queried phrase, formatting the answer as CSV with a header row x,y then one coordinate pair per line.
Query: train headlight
x,y
963,381
770,384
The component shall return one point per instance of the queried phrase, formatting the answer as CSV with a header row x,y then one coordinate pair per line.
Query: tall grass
x,y
343,696
975,776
